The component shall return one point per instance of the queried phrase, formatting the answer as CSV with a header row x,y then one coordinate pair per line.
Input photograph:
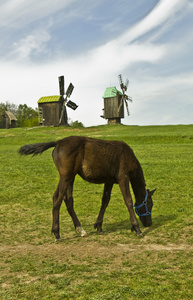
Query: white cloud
x,y
19,12
34,42
162,15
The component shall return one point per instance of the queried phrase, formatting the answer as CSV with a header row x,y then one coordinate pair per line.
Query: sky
x,y
150,42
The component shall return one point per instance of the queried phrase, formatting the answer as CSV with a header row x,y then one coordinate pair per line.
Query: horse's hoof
x,y
100,232
99,228
81,232
84,234
58,239
140,235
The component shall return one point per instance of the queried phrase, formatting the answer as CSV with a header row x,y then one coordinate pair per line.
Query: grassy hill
x,y
118,264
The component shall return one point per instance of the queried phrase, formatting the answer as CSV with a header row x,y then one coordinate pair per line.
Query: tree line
x,y
26,116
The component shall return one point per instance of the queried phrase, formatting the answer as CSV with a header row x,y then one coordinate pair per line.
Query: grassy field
x,y
117,264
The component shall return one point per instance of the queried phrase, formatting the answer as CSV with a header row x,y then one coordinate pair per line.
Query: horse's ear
x,y
152,192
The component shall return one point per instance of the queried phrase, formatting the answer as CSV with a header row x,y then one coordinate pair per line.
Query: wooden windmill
x,y
114,102
52,109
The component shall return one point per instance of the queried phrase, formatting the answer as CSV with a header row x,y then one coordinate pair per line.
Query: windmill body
x,y
49,109
52,109
112,99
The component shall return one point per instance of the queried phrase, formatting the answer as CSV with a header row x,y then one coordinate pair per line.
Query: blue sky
x,y
91,43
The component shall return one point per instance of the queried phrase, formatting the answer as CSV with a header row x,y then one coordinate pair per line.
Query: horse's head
x,y
143,210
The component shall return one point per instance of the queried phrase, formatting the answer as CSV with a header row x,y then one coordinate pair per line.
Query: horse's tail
x,y
36,148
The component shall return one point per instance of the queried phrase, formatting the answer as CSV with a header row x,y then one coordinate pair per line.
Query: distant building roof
x,y
10,115
111,92
48,99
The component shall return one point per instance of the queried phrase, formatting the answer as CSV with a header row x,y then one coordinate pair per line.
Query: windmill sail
x,y
127,107
121,104
126,84
69,90
72,105
61,85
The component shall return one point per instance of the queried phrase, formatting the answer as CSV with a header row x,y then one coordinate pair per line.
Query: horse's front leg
x,y
124,187
68,199
105,202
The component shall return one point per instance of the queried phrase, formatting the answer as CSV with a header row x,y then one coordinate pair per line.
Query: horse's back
x,y
94,160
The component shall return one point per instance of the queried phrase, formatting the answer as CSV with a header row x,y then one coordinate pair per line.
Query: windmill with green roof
x,y
52,109
114,102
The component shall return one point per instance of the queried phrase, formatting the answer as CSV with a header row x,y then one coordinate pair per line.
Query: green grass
x,y
118,264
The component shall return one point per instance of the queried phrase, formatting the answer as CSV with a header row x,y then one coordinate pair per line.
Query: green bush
x,y
76,124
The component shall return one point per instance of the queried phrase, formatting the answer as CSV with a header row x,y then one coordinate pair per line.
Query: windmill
x,y
125,97
66,101
114,102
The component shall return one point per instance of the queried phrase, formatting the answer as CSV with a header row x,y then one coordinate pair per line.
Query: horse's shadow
x,y
124,226
157,222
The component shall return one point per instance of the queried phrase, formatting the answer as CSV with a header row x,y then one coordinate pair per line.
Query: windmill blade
x,y
126,104
128,98
120,79
121,104
61,85
72,105
126,84
121,82
69,90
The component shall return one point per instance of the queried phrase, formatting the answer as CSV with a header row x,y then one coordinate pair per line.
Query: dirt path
x,y
89,248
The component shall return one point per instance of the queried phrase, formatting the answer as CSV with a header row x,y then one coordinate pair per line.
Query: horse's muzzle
x,y
146,221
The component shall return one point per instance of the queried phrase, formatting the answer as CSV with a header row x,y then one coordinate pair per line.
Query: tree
x,y
8,107
27,116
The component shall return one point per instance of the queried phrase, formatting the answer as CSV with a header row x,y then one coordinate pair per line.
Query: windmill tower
x,y
114,101
52,109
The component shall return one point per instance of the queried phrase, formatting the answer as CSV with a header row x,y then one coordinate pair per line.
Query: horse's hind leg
x,y
68,199
58,197
105,202
57,201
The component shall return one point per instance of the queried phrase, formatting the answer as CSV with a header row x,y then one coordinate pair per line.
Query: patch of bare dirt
x,y
89,249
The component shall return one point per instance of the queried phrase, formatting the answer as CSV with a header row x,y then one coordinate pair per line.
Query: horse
x,y
97,161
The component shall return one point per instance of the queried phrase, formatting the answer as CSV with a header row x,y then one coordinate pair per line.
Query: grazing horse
x,y
97,161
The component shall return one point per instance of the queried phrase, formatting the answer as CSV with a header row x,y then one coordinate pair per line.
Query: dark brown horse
x,y
97,161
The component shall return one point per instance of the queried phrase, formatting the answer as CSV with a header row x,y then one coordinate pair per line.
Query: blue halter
x,y
147,213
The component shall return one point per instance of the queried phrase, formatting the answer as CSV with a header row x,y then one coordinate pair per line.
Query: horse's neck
x,y
139,195
138,185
